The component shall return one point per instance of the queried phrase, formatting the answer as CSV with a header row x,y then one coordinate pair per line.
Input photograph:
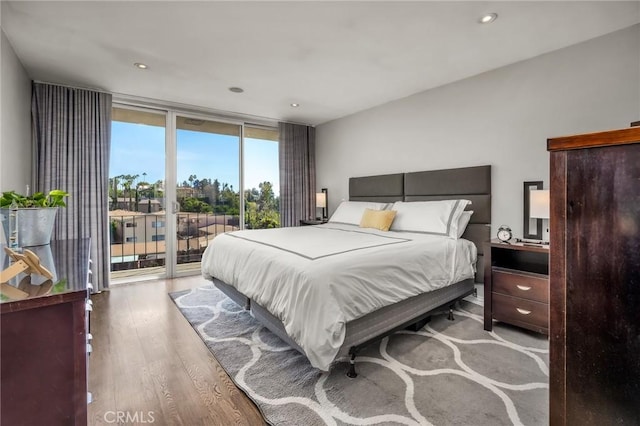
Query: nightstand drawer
x,y
521,312
522,285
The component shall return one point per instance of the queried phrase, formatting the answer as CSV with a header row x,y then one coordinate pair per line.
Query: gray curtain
x,y
71,135
297,156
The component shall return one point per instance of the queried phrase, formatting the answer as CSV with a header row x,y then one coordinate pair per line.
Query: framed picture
x,y
532,227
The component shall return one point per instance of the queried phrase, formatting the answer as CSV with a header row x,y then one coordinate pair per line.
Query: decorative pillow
x,y
465,217
377,219
350,212
429,217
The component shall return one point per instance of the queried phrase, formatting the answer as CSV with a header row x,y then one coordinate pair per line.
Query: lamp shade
x,y
539,205
321,200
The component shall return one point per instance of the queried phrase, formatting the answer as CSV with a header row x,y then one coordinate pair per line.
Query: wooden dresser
x,y
595,279
45,341
516,285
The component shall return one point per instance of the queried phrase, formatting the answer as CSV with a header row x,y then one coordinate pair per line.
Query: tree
x,y
158,189
113,190
193,205
204,183
261,207
144,190
209,191
266,200
251,195
128,181
216,191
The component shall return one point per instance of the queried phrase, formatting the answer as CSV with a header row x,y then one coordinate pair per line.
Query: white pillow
x,y
429,217
351,212
465,217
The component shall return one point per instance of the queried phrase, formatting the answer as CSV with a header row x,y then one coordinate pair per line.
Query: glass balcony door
x,y
261,178
137,203
207,186
177,181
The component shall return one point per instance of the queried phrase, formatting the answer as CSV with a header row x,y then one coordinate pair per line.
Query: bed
x,y
303,283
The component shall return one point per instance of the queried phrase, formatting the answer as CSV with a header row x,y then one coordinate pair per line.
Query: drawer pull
x,y
523,311
523,287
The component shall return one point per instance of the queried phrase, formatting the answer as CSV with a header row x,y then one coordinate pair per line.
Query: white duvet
x,y
317,278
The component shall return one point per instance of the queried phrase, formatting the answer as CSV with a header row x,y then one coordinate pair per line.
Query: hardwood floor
x,y
149,366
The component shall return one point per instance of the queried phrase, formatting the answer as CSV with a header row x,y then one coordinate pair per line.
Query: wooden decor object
x,y
27,263
11,292
594,314
31,260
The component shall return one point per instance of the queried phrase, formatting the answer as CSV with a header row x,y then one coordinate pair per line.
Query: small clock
x,y
504,233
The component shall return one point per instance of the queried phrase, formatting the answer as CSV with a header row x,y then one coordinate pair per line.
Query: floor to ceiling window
x,y
208,185
136,192
261,178
176,182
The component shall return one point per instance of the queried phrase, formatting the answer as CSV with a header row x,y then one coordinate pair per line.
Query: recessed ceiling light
x,y
295,105
140,65
236,89
488,18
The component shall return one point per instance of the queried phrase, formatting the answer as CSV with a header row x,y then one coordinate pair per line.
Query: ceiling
x,y
333,58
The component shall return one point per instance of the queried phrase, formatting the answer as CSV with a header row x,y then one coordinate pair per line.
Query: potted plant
x,y
34,215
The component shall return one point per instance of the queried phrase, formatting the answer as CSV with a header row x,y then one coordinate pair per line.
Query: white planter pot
x,y
35,225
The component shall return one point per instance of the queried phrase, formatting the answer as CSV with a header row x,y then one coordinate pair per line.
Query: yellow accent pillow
x,y
377,219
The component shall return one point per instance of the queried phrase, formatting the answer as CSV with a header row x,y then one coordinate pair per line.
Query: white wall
x,y
15,121
502,117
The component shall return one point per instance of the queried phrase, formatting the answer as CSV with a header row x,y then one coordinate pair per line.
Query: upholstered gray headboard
x,y
381,188
471,183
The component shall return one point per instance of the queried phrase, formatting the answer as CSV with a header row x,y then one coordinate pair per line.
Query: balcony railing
x,y
138,240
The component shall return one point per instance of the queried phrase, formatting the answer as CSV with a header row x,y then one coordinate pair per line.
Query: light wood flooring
x,y
148,359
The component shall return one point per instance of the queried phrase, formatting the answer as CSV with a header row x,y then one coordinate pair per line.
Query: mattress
x,y
316,279
376,323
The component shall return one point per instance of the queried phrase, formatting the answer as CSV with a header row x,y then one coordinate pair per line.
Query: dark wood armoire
x,y
594,328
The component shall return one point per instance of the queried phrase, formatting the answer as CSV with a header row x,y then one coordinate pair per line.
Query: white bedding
x,y
317,278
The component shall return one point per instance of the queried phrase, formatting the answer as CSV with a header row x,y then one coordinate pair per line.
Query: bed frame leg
x,y
475,292
450,316
352,365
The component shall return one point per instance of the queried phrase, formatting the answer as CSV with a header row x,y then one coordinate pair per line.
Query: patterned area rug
x,y
448,373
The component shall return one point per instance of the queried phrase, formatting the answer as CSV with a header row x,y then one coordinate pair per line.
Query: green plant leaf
x,y
55,198
60,286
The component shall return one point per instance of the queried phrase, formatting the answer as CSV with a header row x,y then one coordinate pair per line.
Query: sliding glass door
x,y
261,178
179,180
137,213
207,186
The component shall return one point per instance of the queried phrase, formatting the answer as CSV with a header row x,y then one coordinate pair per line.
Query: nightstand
x,y
307,222
516,285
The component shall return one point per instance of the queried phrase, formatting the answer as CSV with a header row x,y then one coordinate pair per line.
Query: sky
x,y
137,149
